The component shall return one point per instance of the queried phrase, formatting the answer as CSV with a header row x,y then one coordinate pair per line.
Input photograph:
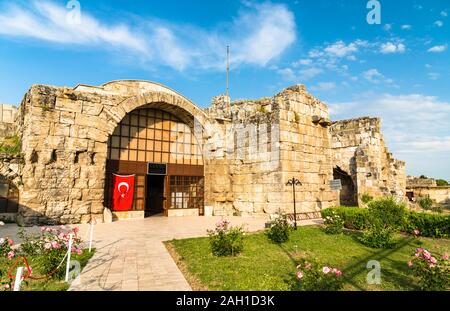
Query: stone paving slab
x,y
130,254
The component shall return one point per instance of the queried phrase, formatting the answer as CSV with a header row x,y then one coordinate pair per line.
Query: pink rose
x,y
10,255
56,245
48,245
410,263
339,273
6,286
300,275
42,229
445,257
432,265
326,270
48,229
10,242
75,230
433,260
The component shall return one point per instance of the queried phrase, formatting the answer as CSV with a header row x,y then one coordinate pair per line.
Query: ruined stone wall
x,y
440,195
359,149
269,141
8,127
412,182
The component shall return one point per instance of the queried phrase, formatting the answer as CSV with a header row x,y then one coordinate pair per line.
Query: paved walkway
x,y
130,254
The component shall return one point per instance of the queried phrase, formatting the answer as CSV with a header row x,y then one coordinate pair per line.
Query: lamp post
x,y
294,182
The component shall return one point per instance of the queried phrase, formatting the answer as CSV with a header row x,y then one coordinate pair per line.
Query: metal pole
x,y
228,68
68,257
295,209
18,279
91,233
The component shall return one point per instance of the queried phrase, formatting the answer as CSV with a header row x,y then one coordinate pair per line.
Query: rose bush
x,y
313,276
49,247
226,240
334,224
279,230
432,271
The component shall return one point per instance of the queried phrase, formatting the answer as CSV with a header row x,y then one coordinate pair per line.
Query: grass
x,y
264,265
11,145
50,284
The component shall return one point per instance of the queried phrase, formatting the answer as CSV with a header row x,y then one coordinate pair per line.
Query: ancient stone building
x,y
233,158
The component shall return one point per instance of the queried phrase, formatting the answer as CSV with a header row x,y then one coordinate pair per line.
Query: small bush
x,y
441,182
432,271
313,276
333,223
366,198
279,230
226,240
11,145
385,217
5,248
426,203
378,238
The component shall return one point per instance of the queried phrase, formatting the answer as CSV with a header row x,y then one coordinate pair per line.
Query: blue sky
x,y
398,70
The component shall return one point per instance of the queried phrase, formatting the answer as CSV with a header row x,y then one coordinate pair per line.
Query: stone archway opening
x,y
348,195
163,135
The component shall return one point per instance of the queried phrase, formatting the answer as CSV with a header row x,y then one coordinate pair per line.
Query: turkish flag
x,y
123,191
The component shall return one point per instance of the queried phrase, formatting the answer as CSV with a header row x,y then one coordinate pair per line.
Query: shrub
x,y
226,240
366,198
11,145
333,223
279,230
385,217
353,217
441,182
313,276
432,272
49,248
426,203
5,248
429,225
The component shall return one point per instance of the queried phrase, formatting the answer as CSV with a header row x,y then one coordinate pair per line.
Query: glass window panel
x,y
141,156
115,142
150,145
133,155
157,157
114,154
165,158
158,114
158,124
149,157
124,142
166,124
166,135
150,134
143,121
133,143
125,130
134,131
158,135
134,120
158,145
187,138
116,131
124,154
126,119
141,144
142,132
165,146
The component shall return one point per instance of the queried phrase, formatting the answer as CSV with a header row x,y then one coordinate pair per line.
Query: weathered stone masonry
x,y
65,140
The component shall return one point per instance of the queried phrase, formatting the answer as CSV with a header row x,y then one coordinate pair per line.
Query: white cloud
x,y
340,49
439,23
389,47
387,27
414,125
299,75
406,27
444,14
324,86
437,49
374,76
434,75
257,35
304,62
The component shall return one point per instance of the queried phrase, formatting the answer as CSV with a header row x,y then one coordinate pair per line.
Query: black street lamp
x,y
294,182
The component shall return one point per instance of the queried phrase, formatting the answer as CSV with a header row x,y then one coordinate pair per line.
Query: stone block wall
x,y
268,142
359,149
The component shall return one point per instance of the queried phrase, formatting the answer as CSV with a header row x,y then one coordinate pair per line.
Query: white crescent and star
x,y
123,184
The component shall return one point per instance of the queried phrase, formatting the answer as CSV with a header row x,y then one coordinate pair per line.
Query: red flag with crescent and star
x,y
123,191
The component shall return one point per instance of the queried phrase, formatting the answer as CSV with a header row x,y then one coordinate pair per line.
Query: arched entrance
x,y
162,151
348,192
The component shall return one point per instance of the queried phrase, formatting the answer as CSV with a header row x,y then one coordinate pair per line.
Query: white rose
x,y
2,240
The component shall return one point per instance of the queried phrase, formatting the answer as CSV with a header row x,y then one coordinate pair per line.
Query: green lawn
x,y
50,284
264,265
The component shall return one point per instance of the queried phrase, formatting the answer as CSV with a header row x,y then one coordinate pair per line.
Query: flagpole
x,y
228,69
